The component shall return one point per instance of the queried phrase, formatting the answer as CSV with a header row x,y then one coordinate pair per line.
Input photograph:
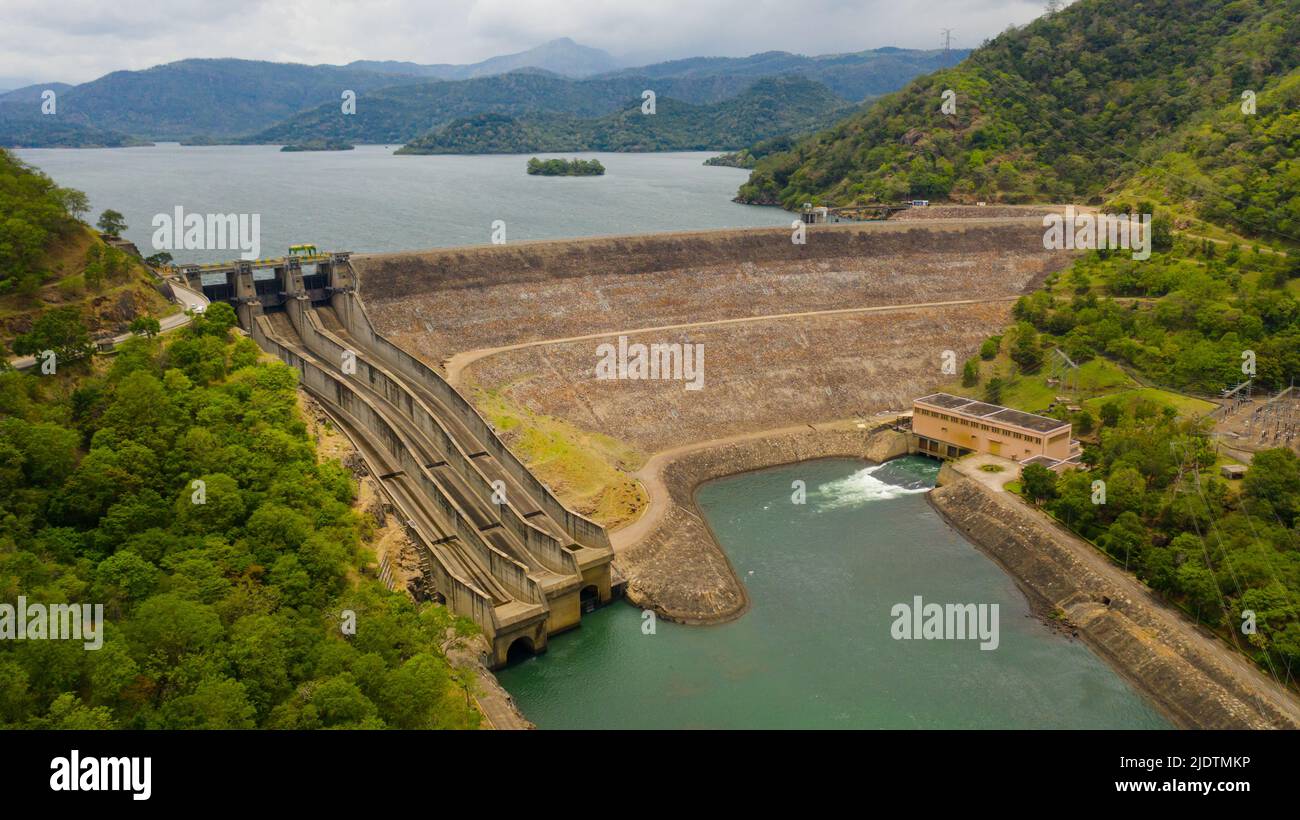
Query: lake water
x,y
369,200
815,649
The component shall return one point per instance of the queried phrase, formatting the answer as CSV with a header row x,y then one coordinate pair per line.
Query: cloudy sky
x,y
79,40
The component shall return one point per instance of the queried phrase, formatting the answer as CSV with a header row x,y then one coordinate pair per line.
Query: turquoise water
x,y
368,200
815,649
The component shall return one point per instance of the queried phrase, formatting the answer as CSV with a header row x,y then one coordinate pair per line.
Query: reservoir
x,y
815,649
367,200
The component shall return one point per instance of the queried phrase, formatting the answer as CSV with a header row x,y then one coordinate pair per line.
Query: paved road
x,y
186,298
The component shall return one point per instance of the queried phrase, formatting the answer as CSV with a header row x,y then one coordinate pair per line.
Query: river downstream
x,y
815,649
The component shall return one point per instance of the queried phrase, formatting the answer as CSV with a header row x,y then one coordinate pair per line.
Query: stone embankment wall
x,y
679,570
1192,679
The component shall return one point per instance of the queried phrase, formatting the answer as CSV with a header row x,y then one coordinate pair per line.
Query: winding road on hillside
x,y
189,300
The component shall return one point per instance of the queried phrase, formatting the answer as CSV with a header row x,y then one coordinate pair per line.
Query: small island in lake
x,y
319,145
565,168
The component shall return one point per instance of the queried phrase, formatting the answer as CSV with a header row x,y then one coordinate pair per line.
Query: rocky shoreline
x,y
1183,671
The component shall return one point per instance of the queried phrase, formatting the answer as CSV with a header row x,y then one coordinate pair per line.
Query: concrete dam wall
x,y
402,275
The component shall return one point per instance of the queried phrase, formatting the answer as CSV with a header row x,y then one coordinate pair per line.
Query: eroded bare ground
x,y
800,363
757,375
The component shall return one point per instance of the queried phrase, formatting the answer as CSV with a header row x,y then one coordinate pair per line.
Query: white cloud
x,y
78,40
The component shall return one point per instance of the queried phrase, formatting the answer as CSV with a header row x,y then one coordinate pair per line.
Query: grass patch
x,y
588,471
992,468
1185,406
1033,394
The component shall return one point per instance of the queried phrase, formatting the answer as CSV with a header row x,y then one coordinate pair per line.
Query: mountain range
x,y
229,100
771,106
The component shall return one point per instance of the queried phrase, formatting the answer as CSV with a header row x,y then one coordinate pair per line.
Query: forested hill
x,y
228,100
179,488
855,76
215,98
770,107
1070,105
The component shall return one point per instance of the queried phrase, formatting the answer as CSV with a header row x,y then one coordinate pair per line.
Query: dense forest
x,y
771,107
1063,108
749,157
179,488
1217,551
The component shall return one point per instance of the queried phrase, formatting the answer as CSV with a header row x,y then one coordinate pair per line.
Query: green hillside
x,y
52,265
770,107
405,113
221,611
1061,109
854,76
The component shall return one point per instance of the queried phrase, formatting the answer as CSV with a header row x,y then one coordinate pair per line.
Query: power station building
x,y
951,426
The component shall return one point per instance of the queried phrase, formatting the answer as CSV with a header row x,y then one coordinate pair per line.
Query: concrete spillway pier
x,y
496,544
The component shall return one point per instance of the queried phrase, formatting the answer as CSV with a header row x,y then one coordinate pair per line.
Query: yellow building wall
x,y
1004,441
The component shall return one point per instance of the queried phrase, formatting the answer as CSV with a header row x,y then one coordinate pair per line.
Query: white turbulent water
x,y
858,489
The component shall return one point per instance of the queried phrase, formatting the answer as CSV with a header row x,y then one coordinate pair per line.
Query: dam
x,y
495,544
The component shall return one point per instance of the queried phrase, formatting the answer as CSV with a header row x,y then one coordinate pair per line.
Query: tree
x,y
74,202
1025,350
993,391
159,260
1039,483
112,223
60,330
146,326
1086,423
1274,478
989,349
970,373
1111,412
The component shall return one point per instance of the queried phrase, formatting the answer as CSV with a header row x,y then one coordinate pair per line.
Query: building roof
x,y
992,412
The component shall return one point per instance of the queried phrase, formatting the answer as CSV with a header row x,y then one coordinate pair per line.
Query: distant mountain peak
x,y
562,55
